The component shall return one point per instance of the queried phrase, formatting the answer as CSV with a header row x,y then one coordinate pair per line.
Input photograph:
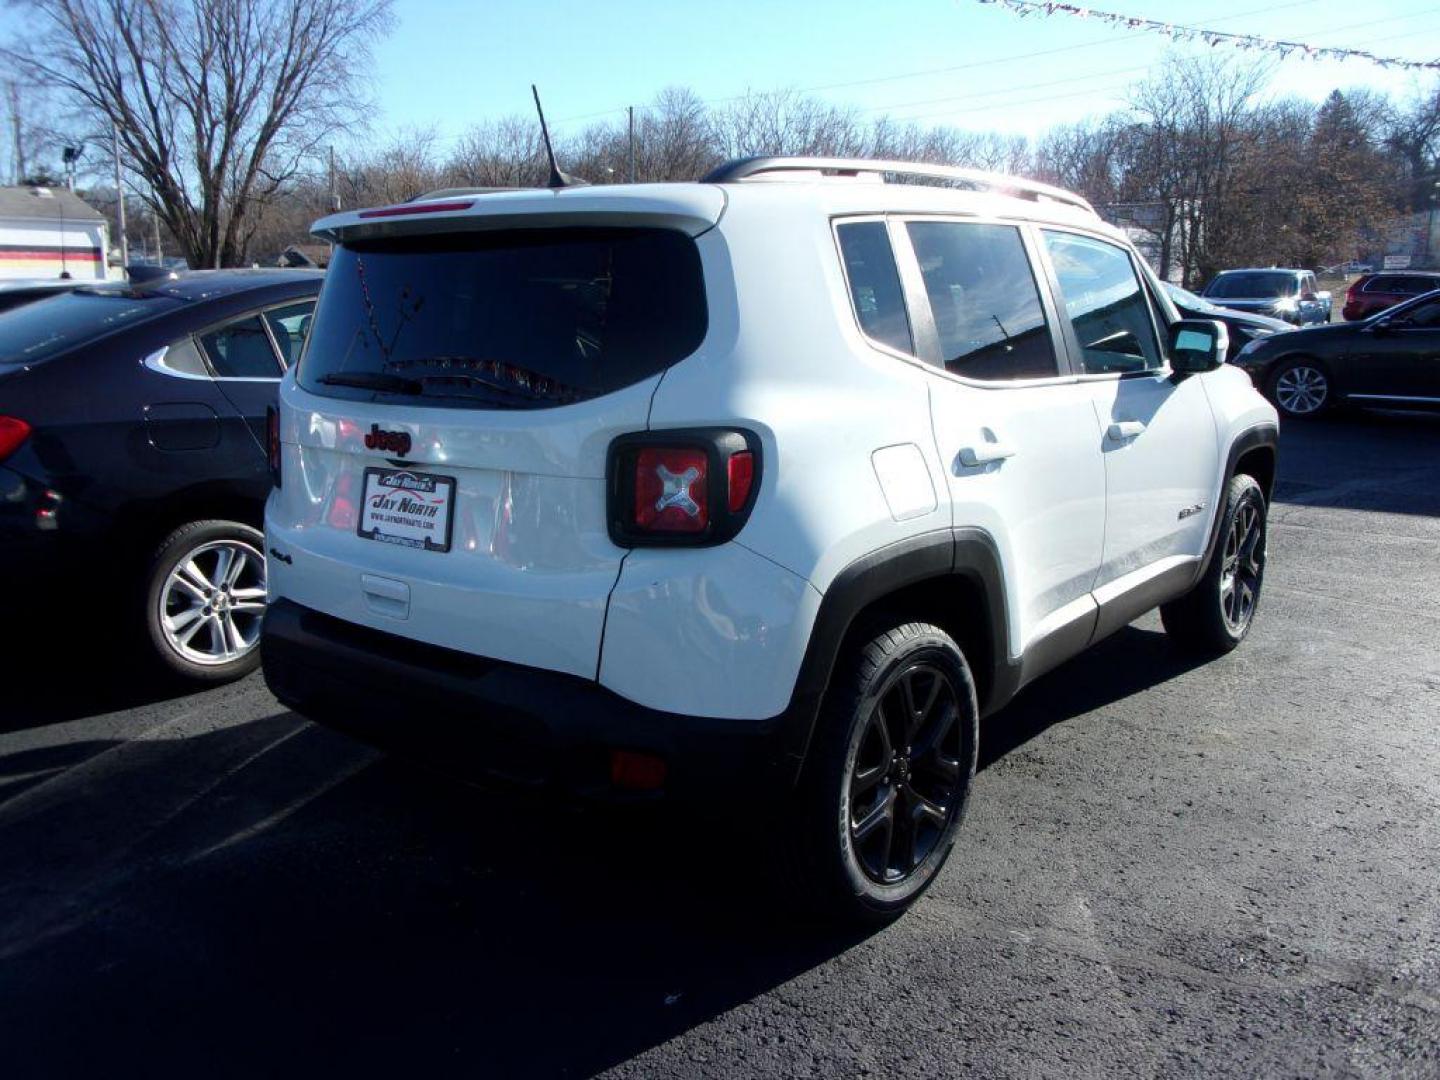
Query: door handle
x,y
1125,429
984,453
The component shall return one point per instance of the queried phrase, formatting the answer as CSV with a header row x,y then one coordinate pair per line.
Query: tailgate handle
x,y
386,596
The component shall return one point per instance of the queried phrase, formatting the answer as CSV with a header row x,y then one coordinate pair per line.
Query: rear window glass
x,y
526,319
1252,285
48,327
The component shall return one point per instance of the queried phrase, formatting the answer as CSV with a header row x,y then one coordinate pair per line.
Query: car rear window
x,y
514,319
1251,285
49,327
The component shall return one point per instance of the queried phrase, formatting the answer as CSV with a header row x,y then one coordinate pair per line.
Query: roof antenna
x,y
557,179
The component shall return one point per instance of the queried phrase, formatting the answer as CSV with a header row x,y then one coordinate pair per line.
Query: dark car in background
x,y
1391,360
1244,327
1374,293
132,455
1291,295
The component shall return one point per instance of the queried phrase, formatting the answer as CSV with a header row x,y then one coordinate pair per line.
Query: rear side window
x,y
1105,303
985,301
875,284
516,319
290,324
241,350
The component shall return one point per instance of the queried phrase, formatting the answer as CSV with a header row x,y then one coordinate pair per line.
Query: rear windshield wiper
x,y
372,380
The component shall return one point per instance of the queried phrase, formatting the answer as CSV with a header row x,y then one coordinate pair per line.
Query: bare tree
x,y
217,103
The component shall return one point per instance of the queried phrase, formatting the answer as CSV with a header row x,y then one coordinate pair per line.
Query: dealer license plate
x,y
411,509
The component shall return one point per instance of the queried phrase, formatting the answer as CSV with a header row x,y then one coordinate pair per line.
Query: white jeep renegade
x,y
770,485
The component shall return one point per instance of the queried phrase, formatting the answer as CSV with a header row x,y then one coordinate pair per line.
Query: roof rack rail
x,y
746,168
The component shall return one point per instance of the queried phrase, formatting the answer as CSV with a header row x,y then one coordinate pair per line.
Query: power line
x,y
1284,49
920,73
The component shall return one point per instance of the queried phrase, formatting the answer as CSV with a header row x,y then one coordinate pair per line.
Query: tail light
x,y
13,432
682,487
272,442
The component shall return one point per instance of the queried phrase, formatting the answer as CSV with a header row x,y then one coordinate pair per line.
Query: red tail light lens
x,y
672,490
740,470
272,442
13,432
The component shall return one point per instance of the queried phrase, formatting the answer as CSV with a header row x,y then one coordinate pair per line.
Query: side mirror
x,y
1198,345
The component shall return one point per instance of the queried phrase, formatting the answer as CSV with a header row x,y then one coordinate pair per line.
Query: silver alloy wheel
x,y
1301,389
212,602
1243,567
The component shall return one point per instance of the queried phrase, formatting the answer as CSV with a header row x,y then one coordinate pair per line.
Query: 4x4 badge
x,y
1191,511
395,441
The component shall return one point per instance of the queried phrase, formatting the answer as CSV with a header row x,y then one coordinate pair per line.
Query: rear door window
x,y
290,324
1106,304
874,281
241,350
515,319
984,300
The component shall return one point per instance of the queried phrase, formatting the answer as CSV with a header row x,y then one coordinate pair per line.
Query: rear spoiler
x,y
689,208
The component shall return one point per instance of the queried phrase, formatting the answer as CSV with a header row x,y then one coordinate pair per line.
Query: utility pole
x,y
119,195
630,109
13,92
158,253
334,194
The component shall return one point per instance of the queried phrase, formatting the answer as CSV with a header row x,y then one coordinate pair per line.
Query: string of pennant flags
x,y
1248,42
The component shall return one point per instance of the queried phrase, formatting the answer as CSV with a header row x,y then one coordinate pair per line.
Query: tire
x,y
1302,388
1215,616
204,597
846,853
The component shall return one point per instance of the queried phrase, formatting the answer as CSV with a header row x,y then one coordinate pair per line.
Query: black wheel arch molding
x,y
965,555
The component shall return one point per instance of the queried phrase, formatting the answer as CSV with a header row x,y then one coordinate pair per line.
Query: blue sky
x,y
450,63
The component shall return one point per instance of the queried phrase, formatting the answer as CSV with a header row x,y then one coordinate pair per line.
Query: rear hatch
x,y
444,439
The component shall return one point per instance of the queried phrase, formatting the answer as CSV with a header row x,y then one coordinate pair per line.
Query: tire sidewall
x,y
887,900
1249,493
177,547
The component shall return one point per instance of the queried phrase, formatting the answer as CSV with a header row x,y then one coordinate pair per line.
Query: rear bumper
x,y
526,725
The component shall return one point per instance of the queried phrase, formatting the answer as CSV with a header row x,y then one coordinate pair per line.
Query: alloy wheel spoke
x,y
224,560
881,814
866,779
237,568
925,810
193,576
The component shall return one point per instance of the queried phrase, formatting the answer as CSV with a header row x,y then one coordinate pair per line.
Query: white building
x,y
48,232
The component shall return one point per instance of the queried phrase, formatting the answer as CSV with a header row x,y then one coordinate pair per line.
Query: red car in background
x,y
1373,293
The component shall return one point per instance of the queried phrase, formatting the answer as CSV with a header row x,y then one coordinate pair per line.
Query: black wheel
x,y
204,599
1300,388
888,777
1216,615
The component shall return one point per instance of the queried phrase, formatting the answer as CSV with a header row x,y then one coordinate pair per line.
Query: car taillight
x,y
671,490
684,487
740,473
272,442
13,432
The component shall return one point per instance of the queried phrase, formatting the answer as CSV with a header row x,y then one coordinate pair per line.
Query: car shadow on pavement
x,y
270,897
1129,661
74,659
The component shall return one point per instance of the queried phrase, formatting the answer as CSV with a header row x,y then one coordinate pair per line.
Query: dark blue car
x,y
132,445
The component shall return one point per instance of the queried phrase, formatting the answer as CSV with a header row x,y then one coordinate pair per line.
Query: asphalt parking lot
x,y
1221,870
